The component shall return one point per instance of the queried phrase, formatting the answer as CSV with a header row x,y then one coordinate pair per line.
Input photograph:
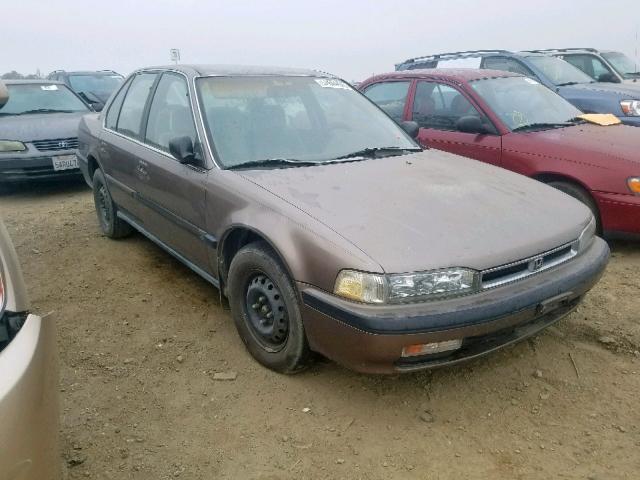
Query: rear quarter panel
x,y
89,132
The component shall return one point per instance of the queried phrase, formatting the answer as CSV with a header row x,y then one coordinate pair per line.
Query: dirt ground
x,y
141,338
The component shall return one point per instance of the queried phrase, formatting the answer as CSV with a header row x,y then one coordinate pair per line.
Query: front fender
x,y
311,251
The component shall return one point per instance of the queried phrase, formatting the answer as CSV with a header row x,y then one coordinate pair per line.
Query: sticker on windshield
x,y
331,83
531,81
49,87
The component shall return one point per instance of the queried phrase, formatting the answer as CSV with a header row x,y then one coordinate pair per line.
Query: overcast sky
x,y
352,39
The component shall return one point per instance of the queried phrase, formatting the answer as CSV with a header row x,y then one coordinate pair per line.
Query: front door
x,y
171,193
437,108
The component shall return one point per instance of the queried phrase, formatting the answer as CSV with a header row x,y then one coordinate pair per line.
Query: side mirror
x,y
182,149
608,78
412,129
4,95
470,124
92,100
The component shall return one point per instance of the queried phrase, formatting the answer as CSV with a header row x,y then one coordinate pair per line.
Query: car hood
x,y
604,147
430,210
617,90
41,126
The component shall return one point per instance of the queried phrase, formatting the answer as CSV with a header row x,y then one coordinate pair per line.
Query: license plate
x,y
65,162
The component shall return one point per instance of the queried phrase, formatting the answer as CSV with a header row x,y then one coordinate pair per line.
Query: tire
x,y
259,286
110,224
582,195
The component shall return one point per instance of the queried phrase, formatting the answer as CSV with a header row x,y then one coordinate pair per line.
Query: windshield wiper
x,y
376,152
566,84
45,110
543,125
273,162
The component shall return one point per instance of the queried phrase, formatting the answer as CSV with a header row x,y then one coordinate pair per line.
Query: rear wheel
x,y
582,195
110,224
265,310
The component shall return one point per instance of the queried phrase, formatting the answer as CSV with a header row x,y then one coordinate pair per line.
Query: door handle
x,y
141,170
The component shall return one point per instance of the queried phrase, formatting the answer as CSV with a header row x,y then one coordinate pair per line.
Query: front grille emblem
x,y
63,144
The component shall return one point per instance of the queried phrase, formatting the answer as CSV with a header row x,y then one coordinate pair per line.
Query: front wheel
x,y
110,224
265,310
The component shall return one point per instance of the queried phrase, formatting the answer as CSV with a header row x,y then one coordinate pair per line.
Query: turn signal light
x,y
634,185
431,348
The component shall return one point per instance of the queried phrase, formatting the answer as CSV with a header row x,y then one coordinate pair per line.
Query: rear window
x,y
102,85
41,98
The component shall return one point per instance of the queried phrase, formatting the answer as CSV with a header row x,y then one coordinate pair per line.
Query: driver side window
x,y
170,114
440,106
390,96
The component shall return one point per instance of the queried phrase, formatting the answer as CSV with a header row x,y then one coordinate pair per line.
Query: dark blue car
x,y
623,100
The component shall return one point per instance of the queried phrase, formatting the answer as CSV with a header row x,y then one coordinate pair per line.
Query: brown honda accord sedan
x,y
324,224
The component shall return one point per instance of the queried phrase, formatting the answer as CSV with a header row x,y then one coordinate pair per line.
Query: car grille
x,y
56,144
511,272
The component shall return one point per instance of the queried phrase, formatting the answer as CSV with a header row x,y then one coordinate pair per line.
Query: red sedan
x,y
513,121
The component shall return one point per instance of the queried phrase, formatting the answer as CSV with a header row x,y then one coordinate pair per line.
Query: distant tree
x,y
12,75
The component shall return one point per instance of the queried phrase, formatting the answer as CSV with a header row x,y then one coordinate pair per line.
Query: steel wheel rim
x,y
103,209
266,312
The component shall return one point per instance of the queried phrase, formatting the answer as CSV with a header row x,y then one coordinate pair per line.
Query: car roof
x,y
563,51
239,70
89,72
458,74
43,81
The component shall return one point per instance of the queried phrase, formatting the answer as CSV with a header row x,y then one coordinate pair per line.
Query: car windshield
x,y
623,64
559,72
294,119
41,98
97,84
521,102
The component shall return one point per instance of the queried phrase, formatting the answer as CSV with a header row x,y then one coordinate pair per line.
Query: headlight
x,y
412,287
12,146
634,185
408,287
586,237
631,108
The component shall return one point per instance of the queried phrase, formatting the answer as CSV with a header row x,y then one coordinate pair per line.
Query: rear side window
x,y
390,96
130,119
506,65
114,109
170,115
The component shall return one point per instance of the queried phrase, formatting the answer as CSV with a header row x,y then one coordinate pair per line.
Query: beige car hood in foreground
x,y
430,209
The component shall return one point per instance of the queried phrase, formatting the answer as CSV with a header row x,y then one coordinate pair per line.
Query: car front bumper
x,y
370,339
29,403
620,213
28,167
633,121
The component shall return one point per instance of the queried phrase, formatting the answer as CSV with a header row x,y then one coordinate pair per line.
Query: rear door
x,y
173,194
437,107
121,142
